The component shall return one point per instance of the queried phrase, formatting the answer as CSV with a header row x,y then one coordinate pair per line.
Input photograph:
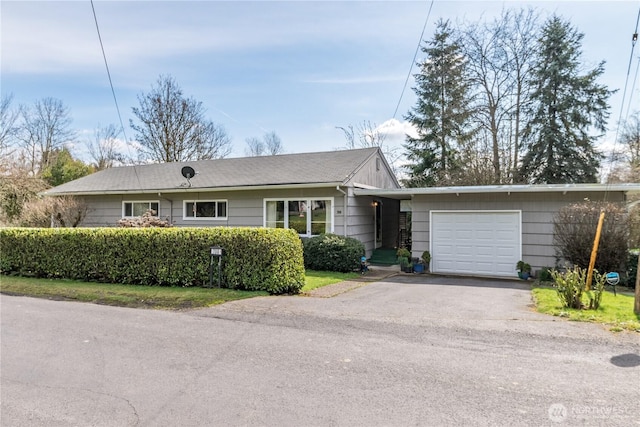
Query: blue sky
x,y
298,68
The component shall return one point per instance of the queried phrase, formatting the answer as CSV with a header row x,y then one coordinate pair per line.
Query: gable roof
x,y
328,168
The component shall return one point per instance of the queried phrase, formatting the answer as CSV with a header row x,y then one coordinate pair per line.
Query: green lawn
x,y
317,279
615,311
121,295
159,297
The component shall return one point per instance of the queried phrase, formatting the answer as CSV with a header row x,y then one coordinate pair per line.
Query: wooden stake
x,y
594,252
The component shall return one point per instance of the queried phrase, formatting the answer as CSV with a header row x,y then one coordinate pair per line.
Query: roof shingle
x,y
287,169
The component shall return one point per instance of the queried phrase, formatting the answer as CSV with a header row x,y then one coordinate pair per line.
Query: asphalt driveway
x,y
423,300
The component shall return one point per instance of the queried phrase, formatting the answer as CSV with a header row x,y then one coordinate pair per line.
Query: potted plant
x,y
426,258
403,253
524,270
403,261
408,268
418,265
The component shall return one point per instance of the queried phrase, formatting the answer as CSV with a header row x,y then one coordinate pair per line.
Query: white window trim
x,y
202,218
293,199
139,201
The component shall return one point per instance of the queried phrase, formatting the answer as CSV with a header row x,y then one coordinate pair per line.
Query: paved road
x,y
405,351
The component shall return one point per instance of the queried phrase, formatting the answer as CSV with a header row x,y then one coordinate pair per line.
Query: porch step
x,y
383,256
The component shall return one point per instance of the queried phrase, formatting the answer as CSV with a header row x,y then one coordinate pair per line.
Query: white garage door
x,y
475,242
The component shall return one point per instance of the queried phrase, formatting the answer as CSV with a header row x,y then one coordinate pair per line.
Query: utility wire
x,y
634,39
113,92
413,61
633,88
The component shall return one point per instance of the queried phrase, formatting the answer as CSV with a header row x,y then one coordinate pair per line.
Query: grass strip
x,y
316,279
158,297
614,311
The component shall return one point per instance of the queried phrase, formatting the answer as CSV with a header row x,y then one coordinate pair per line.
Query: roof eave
x,y
195,189
407,193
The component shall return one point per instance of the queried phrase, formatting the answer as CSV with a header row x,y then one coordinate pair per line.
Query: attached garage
x,y
475,242
486,230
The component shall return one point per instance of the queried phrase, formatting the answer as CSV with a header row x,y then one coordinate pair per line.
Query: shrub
x,y
544,275
330,252
59,211
570,286
255,258
575,229
403,253
634,226
147,219
426,257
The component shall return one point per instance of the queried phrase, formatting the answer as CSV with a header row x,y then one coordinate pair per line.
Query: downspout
x,y
344,213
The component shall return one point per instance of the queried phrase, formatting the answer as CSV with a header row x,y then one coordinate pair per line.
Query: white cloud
x,y
397,131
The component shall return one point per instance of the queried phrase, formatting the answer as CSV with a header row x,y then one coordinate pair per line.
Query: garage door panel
x,y
485,243
483,234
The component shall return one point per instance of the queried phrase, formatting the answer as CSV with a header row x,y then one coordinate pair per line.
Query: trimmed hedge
x,y
330,252
255,258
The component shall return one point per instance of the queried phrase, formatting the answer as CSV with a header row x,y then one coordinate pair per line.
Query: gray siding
x,y
374,173
244,208
538,210
361,221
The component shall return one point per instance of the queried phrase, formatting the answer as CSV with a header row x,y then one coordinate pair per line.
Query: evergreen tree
x,y
567,108
64,168
441,114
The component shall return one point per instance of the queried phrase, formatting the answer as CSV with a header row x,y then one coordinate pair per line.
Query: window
x,y
132,209
205,209
306,216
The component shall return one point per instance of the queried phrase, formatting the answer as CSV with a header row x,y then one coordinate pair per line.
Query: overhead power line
x,y
113,92
413,61
634,39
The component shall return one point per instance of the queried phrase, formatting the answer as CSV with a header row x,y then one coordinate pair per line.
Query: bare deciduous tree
x,y
173,128
255,147
8,129
499,59
269,145
365,134
103,147
60,211
16,190
44,128
630,139
522,38
368,134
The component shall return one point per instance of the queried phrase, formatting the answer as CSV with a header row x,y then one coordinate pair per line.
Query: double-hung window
x,y
309,217
205,209
133,209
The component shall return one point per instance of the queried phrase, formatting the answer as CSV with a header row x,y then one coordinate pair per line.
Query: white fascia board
x,y
544,188
182,190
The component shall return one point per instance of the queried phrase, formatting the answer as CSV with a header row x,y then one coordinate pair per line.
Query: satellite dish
x,y
188,172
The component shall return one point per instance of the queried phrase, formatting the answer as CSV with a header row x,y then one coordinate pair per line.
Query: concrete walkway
x,y
375,274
